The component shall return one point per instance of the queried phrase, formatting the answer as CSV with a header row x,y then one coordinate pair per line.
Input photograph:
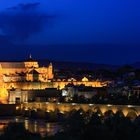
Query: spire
x,y
50,64
30,56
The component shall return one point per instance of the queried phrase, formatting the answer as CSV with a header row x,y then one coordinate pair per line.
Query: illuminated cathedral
x,y
19,79
29,70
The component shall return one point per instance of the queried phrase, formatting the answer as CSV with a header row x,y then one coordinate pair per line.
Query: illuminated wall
x,y
43,85
10,71
31,64
127,110
3,96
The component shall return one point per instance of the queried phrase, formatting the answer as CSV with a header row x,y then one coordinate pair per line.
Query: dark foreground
x,y
80,125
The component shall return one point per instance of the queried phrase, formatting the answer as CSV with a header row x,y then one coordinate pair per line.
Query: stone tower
x,y
50,71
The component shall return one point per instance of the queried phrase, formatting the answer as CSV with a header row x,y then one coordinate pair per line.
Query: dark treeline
x,y
80,125
115,99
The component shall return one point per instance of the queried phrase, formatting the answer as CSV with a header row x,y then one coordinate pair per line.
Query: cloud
x,y
22,21
26,6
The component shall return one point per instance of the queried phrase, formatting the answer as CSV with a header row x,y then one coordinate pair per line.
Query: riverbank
x,y
34,126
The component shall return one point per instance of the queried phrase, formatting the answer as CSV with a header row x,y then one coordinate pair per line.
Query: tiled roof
x,y
12,64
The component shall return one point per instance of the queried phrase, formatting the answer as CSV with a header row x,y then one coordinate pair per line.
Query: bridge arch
x,y
98,111
109,113
132,113
119,113
122,110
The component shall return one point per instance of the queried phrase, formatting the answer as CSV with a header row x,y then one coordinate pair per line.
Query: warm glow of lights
x,y
81,113
3,96
109,105
62,112
17,107
26,124
130,106
48,111
35,110
85,79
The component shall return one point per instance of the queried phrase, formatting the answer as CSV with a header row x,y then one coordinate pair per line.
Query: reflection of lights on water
x,y
26,124
35,126
2,127
16,119
42,130
48,128
41,127
48,125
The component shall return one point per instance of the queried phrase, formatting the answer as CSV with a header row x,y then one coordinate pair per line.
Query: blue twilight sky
x,y
102,31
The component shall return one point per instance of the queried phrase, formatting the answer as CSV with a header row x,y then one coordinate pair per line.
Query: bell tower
x,y
50,71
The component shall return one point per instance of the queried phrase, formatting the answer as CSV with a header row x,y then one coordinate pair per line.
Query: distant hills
x,y
136,65
77,65
83,65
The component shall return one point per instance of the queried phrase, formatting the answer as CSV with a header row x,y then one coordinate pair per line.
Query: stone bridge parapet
x,y
127,110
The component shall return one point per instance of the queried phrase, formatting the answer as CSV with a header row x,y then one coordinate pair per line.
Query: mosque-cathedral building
x,y
25,71
28,75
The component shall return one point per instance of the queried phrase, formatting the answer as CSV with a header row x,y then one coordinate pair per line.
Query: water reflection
x,y
34,126
41,127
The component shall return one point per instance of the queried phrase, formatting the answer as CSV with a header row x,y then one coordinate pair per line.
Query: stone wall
x,y
43,85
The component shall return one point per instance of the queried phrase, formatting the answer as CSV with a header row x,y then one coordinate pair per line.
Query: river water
x,y
34,126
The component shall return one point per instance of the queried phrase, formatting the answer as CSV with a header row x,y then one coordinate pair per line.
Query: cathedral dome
x,y
31,63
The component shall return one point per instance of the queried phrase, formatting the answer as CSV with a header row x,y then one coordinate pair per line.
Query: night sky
x,y
99,31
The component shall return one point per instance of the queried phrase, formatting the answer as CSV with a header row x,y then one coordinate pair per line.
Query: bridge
x,y
127,110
